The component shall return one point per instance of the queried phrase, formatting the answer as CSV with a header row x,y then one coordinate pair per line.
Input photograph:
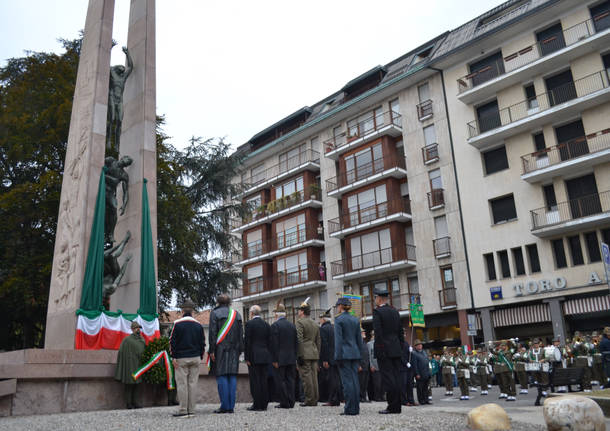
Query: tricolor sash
x,y
231,318
169,370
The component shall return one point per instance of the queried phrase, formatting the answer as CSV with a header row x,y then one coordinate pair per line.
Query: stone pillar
x,y
557,320
83,164
138,140
463,323
488,327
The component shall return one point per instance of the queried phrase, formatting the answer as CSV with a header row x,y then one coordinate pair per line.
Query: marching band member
x,y
503,369
539,366
520,357
448,370
480,369
582,359
598,365
474,378
463,374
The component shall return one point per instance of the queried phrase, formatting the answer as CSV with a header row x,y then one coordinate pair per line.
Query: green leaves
x,y
157,374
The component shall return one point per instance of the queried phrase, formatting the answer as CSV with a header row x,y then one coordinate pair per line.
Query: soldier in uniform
x,y
448,369
329,373
598,366
541,371
389,340
521,357
308,334
582,357
128,361
463,374
503,369
473,382
480,369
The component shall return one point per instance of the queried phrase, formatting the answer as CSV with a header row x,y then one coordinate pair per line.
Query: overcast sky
x,y
231,68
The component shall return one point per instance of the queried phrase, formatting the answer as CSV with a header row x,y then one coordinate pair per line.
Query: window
x,y
421,55
395,107
549,197
364,163
254,202
440,225
447,277
503,209
576,250
448,296
365,291
323,299
593,247
571,140
504,265
367,205
435,179
395,292
606,57
365,123
532,254
413,285
601,16
530,95
560,88
539,143
293,157
518,260
290,187
430,135
559,253
257,174
290,231
371,249
423,91
551,39
255,278
254,241
491,266
488,116
606,236
495,160
487,68
292,269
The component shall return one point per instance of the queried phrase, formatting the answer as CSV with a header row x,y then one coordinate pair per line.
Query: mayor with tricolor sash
x,y
226,344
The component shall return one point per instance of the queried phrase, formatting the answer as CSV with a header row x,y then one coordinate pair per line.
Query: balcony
x,y
308,160
574,215
533,60
369,129
567,158
277,208
424,110
284,242
447,298
377,262
442,247
436,199
430,154
291,281
400,302
370,215
561,103
386,167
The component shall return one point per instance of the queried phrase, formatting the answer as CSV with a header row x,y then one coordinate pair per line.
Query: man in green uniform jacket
x,y
308,336
128,361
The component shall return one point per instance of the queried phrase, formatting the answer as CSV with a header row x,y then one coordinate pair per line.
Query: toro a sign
x,y
533,287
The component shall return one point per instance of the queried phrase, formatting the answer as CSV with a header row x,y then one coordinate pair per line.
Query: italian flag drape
x,y
97,328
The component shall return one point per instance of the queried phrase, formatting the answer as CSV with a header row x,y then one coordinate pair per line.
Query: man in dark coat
x,y
257,340
187,346
375,389
407,375
284,346
226,344
421,369
363,370
389,339
348,345
128,361
604,349
329,373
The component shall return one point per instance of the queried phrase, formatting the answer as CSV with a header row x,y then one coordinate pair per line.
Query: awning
x,y
522,315
591,304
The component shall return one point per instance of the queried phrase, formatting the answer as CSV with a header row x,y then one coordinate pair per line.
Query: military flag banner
x,y
417,315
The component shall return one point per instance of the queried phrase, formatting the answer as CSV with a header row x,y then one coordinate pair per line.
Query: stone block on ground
x,y
488,417
573,413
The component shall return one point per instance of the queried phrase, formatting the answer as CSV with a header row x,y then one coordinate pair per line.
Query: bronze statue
x,y
113,272
118,77
115,175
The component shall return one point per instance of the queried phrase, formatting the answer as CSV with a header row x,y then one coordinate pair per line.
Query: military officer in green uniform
x,y
520,357
447,370
308,336
503,369
128,361
463,375
584,360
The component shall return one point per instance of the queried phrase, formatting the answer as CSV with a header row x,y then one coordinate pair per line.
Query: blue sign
x,y
606,253
496,292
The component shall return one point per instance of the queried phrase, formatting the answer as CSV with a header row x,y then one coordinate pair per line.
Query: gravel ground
x,y
310,418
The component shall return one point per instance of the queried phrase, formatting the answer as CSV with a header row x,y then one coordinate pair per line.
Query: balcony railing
x,y
368,212
447,297
400,302
306,156
442,247
289,239
372,259
590,144
430,153
436,198
424,110
561,94
364,171
364,127
531,53
287,278
571,210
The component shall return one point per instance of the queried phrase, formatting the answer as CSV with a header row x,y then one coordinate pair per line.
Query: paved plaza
x,y
446,414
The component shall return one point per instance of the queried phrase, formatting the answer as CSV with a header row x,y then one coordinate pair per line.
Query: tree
x,y
36,94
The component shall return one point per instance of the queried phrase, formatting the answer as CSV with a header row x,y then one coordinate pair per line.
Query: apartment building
x,y
469,175
529,105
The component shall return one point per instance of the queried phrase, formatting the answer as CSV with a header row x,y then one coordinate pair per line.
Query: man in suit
x,y
389,340
407,375
308,335
348,345
329,373
284,357
363,370
257,341
421,369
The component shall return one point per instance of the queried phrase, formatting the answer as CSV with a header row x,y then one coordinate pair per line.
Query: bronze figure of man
x,y
115,175
118,77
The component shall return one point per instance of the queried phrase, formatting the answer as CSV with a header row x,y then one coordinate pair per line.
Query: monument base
x,y
41,381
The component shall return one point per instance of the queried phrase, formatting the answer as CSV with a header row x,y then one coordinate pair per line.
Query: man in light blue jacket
x,y
348,344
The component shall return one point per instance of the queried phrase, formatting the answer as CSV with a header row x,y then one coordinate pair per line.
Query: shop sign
x,y
533,287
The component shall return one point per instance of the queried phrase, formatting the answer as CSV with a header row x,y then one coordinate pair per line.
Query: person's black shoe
x,y
308,405
388,412
251,408
348,414
180,415
229,411
220,411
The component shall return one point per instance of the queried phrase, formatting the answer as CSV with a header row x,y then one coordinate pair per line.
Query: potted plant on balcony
x,y
272,207
260,211
294,198
282,202
314,191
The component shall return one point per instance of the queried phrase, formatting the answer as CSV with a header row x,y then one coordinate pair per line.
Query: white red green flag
x,y
97,330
